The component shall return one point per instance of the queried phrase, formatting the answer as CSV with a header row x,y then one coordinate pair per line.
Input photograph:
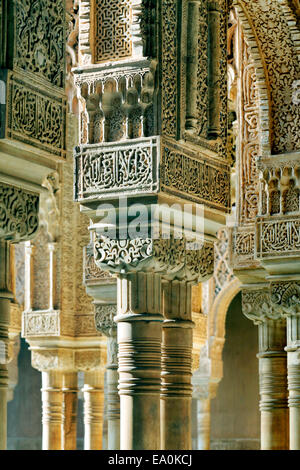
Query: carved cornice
x,y
18,213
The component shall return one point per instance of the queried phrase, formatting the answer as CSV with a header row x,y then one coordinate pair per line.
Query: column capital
x,y
171,257
285,297
258,306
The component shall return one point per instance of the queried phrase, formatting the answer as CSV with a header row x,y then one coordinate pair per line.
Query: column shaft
x,y
52,399
4,323
70,401
273,385
5,298
176,389
139,342
293,351
93,393
203,420
113,399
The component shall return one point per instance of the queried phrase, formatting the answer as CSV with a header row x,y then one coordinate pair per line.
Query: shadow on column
x,y
235,418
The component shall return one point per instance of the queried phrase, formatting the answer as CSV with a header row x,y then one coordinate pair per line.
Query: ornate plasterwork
x,y
279,185
85,325
112,35
129,167
40,39
168,256
18,213
278,237
35,115
277,50
41,324
91,272
104,319
257,305
186,174
285,297
170,33
117,102
248,139
222,271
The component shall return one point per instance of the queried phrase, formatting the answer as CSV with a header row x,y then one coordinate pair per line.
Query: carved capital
x,y
18,213
285,297
170,257
257,305
104,319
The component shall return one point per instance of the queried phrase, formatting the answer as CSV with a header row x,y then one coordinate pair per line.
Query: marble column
x,y
104,319
93,395
273,385
52,402
139,341
293,325
113,399
286,300
272,369
70,402
203,423
177,344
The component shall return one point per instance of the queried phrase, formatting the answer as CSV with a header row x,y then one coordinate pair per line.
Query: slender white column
x,y
70,401
52,399
139,340
4,323
93,394
293,351
177,344
113,399
273,385
258,307
104,319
